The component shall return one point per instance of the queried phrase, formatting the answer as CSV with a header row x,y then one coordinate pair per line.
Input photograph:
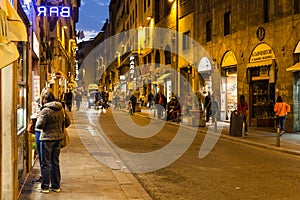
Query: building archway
x,y
229,94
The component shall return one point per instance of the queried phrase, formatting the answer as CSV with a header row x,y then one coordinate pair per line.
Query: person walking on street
x,y
51,121
214,109
133,102
78,99
207,106
69,100
281,109
161,102
243,106
150,100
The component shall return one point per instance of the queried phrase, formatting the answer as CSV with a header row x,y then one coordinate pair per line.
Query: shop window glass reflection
x,y
21,92
21,113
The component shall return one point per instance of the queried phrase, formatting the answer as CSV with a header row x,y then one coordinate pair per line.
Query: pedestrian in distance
x,y
69,100
281,109
214,108
133,102
78,99
51,121
243,107
161,103
207,106
150,100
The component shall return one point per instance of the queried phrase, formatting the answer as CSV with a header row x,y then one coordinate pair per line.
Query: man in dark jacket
x,y
207,106
51,121
133,102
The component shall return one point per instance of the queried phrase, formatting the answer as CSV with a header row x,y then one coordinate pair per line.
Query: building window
x,y
157,11
227,23
21,93
136,11
157,59
208,31
186,40
266,11
167,8
296,6
149,1
168,55
145,5
269,10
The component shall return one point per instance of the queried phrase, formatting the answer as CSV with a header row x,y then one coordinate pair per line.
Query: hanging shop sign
x,y
262,52
131,67
297,49
53,11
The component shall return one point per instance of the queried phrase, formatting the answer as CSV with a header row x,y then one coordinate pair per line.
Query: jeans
x,y
160,110
38,145
280,122
245,123
50,164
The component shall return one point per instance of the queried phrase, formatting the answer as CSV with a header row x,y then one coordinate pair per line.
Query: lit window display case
x,y
262,103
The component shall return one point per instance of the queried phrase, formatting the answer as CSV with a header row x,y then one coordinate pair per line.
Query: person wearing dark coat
x,y
133,102
207,106
69,100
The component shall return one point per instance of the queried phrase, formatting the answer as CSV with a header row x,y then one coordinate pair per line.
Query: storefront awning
x,y
12,29
294,68
163,77
297,49
260,64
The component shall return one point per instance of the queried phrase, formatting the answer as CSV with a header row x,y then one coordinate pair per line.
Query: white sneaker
x,y
46,191
56,190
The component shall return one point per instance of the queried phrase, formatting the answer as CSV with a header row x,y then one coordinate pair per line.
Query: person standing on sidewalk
x,y
160,101
51,121
37,132
281,109
150,100
243,106
78,99
207,106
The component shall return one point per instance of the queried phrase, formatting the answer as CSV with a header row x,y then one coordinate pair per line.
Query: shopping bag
x,y
66,139
31,125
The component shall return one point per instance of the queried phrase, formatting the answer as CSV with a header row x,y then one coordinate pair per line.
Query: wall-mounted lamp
x,y
149,18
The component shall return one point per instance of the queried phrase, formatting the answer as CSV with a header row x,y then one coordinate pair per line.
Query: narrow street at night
x,y
230,171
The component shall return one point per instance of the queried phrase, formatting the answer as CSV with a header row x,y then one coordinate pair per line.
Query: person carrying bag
x,y
281,109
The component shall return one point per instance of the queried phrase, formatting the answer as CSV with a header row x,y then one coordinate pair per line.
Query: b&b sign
x,y
53,11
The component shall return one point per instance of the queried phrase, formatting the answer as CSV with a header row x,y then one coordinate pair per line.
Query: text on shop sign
x,y
54,11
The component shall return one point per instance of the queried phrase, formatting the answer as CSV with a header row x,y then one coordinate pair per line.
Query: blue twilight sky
x,y
92,15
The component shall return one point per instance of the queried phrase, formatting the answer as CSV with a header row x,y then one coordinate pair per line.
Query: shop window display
x,y
262,105
21,93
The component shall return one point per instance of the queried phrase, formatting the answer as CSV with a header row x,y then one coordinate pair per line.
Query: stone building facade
x,y
252,44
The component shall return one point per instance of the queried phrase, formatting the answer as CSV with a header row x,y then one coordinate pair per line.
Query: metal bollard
x,y
278,137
